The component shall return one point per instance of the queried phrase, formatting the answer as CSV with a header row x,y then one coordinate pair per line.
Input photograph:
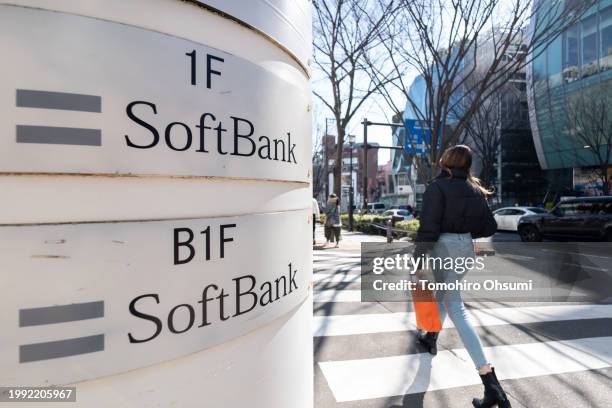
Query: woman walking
x,y
455,211
332,219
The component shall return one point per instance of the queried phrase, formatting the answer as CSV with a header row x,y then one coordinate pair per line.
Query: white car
x,y
376,208
398,215
507,218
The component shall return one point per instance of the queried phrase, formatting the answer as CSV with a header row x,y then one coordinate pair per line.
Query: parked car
x,y
402,207
376,208
579,218
398,215
507,218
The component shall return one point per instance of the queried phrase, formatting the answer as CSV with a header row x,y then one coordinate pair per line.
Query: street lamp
x,y
351,142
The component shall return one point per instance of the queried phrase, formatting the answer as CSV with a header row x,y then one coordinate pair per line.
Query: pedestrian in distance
x,y
332,219
316,217
454,211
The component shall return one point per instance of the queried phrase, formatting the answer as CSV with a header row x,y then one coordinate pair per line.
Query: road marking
x,y
518,257
354,380
336,277
586,267
60,348
332,263
60,314
343,325
59,135
337,253
27,98
331,295
326,265
574,253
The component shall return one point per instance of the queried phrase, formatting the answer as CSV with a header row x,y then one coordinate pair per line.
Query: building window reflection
x,y
571,65
571,54
589,46
605,25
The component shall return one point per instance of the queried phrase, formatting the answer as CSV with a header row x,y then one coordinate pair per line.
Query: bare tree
x,y
345,32
445,43
318,161
483,134
590,122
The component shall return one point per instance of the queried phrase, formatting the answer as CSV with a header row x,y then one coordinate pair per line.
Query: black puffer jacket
x,y
452,204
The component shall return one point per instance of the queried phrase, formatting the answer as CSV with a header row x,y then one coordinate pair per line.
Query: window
x,y
566,210
584,208
589,46
514,212
570,54
402,179
554,55
573,209
537,210
605,35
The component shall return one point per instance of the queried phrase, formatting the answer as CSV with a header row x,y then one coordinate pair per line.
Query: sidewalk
x,y
348,240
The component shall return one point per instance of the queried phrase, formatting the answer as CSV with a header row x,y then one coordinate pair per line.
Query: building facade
x,y
570,91
505,155
328,153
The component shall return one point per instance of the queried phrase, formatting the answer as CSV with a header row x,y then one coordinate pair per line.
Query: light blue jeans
x,y
449,301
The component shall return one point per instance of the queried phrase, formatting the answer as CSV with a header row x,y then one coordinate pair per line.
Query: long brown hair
x,y
460,157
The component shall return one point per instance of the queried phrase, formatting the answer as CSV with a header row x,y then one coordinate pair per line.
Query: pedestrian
x,y
454,211
332,219
316,217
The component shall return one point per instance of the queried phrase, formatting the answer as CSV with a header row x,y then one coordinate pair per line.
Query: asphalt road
x,y
547,353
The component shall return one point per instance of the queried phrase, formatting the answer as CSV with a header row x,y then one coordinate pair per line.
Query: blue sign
x,y
417,137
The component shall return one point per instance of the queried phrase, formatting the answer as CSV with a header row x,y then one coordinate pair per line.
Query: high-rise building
x,y
570,103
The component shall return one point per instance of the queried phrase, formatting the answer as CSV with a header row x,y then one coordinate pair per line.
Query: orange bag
x,y
426,310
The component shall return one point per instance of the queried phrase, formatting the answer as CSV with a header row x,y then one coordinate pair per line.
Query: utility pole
x,y
351,140
326,164
365,164
367,123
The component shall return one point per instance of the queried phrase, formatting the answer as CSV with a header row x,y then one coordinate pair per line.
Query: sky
x,y
374,109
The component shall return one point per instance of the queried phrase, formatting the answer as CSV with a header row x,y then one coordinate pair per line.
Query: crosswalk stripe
x,y
342,325
337,265
328,254
331,295
353,380
336,277
336,271
336,255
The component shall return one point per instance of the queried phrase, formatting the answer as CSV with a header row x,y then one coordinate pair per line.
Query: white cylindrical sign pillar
x,y
155,211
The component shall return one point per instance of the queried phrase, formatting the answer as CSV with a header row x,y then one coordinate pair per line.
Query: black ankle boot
x,y
429,340
493,394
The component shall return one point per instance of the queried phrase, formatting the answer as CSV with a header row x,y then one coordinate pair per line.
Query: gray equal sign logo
x,y
27,98
60,314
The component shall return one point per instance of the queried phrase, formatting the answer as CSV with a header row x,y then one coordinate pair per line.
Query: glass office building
x,y
578,64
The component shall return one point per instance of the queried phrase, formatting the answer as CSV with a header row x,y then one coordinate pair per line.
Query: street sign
x,y
417,137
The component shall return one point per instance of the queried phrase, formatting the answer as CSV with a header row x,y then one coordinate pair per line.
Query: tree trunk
x,y
338,161
487,174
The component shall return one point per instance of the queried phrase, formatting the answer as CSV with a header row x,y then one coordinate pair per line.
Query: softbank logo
x,y
27,98
245,295
215,305
60,314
